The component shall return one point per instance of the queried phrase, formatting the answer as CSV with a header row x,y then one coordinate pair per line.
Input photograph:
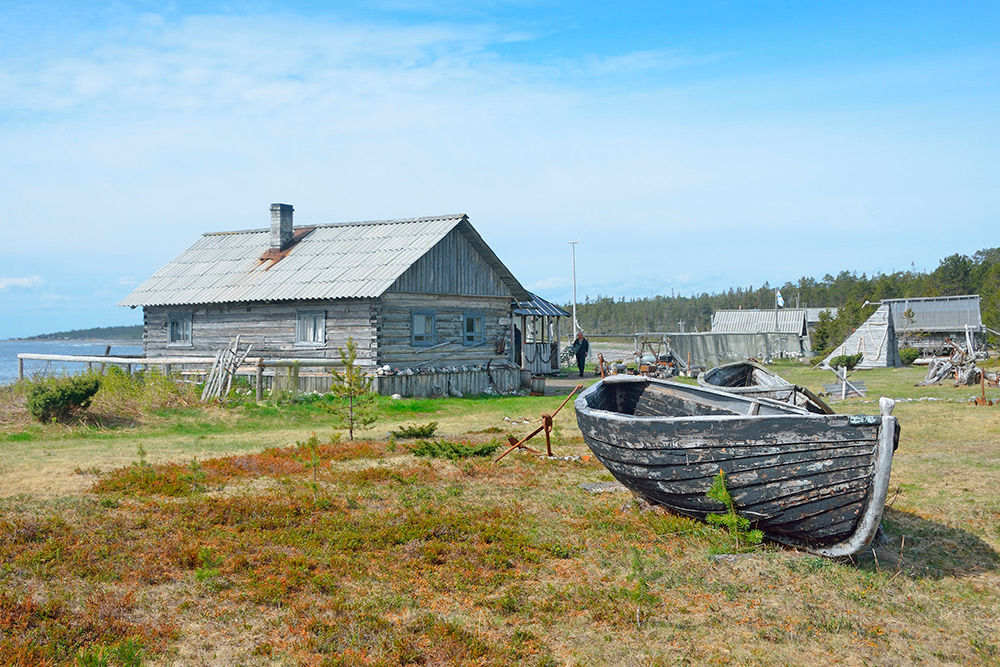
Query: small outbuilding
x,y
784,331
427,302
925,322
875,340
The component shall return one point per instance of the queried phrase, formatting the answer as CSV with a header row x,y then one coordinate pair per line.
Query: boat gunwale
x,y
793,411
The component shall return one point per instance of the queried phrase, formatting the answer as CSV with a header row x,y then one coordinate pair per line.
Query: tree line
x,y
131,332
847,291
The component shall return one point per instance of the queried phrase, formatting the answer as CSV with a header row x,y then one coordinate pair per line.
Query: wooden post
x,y
555,363
775,309
260,380
20,369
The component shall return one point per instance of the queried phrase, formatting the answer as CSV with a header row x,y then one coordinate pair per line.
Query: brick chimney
x,y
281,226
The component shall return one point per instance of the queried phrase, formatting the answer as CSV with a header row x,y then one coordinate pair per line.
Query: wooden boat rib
x,y
750,378
814,481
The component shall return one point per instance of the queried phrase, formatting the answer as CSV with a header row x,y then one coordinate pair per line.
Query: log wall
x,y
394,329
270,328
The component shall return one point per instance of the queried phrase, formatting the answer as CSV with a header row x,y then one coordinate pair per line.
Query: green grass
x,y
240,537
896,383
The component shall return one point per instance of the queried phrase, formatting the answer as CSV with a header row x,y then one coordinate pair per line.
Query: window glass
x,y
179,328
473,329
310,328
422,326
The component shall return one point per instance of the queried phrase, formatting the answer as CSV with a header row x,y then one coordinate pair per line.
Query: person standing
x,y
517,346
580,348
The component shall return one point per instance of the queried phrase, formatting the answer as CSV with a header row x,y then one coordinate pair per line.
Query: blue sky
x,y
689,146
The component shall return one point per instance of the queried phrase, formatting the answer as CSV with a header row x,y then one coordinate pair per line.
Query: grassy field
x,y
257,535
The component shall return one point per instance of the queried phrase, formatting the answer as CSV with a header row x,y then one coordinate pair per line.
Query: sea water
x,y
9,349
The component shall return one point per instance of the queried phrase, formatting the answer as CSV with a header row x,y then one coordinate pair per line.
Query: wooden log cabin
x,y
427,302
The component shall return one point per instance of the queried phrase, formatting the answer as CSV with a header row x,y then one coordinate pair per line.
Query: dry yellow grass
x,y
394,559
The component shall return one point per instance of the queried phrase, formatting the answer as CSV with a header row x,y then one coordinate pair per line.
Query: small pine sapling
x,y
195,476
354,389
312,445
738,526
642,578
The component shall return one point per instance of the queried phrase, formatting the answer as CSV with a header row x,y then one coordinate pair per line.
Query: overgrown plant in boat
x,y
743,538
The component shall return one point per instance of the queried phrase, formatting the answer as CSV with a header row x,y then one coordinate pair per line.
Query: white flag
x,y
777,296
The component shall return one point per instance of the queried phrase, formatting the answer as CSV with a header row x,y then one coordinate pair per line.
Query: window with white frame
x,y
310,327
179,329
472,328
422,328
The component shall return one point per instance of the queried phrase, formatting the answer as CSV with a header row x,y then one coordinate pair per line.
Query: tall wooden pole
x,y
776,310
576,327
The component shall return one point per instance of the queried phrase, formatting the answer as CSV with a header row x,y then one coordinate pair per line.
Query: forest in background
x,y
848,292
132,332
955,275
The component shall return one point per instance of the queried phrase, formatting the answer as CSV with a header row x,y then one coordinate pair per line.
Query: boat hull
x,y
813,481
751,379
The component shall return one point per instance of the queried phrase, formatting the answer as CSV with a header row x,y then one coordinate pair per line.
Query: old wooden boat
x,y
750,378
817,482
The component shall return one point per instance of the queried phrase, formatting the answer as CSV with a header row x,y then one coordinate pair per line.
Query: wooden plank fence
x,y
302,375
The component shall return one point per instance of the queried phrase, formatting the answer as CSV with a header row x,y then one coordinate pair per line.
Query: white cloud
x,y
140,137
33,281
548,284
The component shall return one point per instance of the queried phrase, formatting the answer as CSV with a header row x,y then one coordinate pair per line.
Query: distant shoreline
x,y
110,341
125,333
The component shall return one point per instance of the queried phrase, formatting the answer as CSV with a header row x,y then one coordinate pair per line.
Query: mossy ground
x,y
227,543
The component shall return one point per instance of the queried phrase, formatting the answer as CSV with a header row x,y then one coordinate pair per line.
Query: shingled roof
x,y
330,261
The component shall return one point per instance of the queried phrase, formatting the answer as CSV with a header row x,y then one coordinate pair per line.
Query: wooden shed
x,y
926,322
875,340
538,328
420,297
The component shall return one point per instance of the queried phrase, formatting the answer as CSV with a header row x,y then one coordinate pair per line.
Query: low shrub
x,y
846,360
415,431
442,449
908,355
59,398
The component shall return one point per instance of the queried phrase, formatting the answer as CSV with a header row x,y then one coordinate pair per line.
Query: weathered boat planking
x,y
750,378
817,482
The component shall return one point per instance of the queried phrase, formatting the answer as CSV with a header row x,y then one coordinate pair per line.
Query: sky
x,y
688,146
